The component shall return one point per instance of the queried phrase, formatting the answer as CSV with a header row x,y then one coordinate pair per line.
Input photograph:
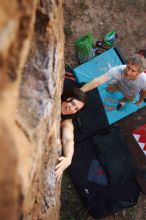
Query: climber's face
x,y
71,106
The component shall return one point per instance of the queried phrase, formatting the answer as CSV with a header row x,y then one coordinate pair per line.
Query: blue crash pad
x,y
98,66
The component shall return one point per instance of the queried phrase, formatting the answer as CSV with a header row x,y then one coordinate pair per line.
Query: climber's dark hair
x,y
74,93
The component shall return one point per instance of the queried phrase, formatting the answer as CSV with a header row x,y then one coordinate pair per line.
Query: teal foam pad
x,y
96,67
110,102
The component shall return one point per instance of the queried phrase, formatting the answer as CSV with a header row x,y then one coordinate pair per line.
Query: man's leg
x,y
124,100
128,98
113,87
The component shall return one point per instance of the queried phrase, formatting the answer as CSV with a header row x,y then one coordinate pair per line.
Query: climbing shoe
x,y
120,106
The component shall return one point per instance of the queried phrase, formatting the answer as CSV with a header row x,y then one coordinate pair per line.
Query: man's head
x,y
134,67
73,100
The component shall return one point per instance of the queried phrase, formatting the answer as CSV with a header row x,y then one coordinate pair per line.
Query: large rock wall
x,y
31,58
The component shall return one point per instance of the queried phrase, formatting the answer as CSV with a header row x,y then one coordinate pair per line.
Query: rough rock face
x,y
31,58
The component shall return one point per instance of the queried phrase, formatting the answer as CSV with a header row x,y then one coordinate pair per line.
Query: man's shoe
x,y
120,106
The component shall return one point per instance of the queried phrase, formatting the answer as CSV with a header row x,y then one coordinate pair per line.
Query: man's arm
x,y
68,147
94,83
142,96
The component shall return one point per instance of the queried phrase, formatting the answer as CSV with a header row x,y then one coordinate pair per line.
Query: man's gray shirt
x,y
128,87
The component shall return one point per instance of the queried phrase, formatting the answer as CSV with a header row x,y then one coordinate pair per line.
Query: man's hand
x,y
63,163
138,102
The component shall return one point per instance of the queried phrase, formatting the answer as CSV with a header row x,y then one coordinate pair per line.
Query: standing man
x,y
73,100
128,79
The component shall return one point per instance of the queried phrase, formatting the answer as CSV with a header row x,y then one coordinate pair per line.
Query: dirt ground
x,y
127,18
